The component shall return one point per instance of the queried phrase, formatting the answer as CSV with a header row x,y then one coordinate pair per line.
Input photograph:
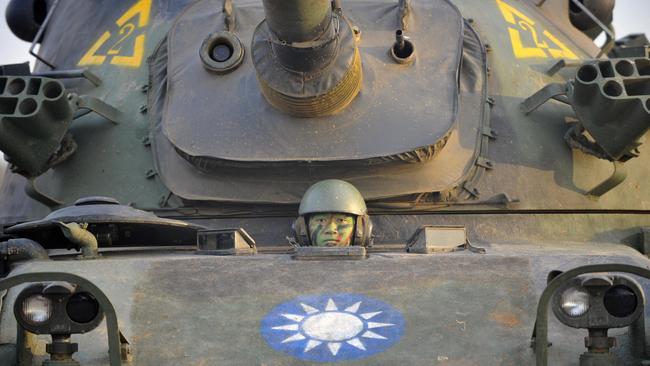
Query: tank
x,y
292,182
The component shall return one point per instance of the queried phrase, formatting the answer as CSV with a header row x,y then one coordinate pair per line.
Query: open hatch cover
x,y
111,223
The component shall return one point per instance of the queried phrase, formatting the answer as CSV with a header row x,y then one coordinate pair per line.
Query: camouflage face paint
x,y
331,229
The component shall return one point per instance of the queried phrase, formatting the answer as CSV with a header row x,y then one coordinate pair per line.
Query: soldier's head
x,y
333,213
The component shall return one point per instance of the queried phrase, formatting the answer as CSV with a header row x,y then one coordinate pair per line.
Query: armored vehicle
x,y
484,159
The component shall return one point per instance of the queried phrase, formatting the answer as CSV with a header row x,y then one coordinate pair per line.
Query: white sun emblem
x,y
332,327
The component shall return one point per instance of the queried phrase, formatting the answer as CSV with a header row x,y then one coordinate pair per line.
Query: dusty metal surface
x,y
370,128
209,309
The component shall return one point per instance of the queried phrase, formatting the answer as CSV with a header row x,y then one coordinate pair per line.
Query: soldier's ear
x,y
369,237
363,231
299,228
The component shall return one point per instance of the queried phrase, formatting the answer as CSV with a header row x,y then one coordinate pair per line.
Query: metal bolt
x,y
164,199
336,6
357,32
126,352
146,141
150,173
143,108
399,40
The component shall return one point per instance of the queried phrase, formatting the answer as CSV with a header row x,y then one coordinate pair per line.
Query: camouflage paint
x,y
331,229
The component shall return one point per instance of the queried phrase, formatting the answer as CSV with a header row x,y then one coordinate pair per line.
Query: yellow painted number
x,y
125,32
528,41
111,46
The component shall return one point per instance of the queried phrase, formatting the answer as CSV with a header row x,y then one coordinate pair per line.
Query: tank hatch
x,y
245,118
111,223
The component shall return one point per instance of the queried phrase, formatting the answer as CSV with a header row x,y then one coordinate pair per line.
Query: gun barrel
x,y
298,20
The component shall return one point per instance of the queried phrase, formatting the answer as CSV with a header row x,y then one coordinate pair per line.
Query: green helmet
x,y
334,196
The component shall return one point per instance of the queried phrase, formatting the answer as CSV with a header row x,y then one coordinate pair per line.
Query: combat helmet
x,y
333,196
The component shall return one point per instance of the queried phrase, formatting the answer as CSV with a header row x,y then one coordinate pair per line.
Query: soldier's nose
x,y
331,228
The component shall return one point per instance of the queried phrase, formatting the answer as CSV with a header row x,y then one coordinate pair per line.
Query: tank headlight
x,y
575,301
620,301
57,308
599,301
82,308
36,309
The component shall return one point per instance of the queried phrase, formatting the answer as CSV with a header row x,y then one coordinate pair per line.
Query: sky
x,y
630,16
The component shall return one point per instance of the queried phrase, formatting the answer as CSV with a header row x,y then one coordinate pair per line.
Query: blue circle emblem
x,y
330,328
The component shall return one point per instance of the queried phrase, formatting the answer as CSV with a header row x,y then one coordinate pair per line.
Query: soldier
x,y
333,214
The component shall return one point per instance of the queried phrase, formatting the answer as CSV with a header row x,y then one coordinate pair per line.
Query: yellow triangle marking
x,y
522,24
509,13
126,23
519,49
141,9
135,59
563,51
90,58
